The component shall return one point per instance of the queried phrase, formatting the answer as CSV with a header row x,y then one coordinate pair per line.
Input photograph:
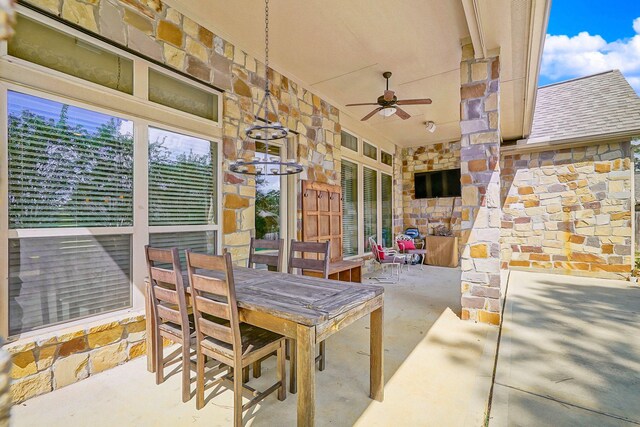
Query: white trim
x,y
360,158
182,228
29,233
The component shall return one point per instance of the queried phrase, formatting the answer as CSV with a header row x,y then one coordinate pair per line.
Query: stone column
x,y
480,178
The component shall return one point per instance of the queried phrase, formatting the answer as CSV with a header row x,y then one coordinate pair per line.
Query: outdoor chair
x,y
272,260
416,252
169,313
234,344
387,258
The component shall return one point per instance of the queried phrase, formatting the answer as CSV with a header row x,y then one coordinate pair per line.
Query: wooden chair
x,y
319,262
271,260
233,344
169,312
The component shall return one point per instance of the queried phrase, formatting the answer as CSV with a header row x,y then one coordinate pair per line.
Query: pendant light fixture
x,y
264,130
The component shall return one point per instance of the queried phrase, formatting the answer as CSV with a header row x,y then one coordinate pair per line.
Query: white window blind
x,y
57,279
386,187
202,242
370,199
182,179
68,166
349,182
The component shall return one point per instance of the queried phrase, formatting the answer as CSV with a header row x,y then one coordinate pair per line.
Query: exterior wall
x,y
480,179
48,362
426,214
569,210
58,359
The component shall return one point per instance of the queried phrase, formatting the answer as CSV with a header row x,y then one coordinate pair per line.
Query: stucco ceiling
x,y
339,49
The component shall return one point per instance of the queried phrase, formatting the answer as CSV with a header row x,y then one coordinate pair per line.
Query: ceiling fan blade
x,y
371,114
365,103
402,114
388,95
424,101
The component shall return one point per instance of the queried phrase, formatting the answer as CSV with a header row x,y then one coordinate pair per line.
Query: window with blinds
x,y
369,150
68,166
386,199
386,158
182,179
349,182
202,242
57,279
349,141
370,205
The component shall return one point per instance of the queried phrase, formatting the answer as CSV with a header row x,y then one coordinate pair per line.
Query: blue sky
x,y
589,36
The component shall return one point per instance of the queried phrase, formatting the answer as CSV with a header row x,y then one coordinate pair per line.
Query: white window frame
x,y
36,80
361,161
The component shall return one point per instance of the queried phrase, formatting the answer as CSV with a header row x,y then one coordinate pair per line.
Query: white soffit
x,y
338,49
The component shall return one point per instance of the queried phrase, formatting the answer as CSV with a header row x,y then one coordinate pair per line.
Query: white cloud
x,y
566,57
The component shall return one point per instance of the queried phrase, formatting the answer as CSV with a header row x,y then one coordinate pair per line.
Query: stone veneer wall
x,y
569,210
164,34
426,214
480,179
160,32
5,381
58,359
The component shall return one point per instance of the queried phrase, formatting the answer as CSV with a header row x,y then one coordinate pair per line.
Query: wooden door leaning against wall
x,y
322,215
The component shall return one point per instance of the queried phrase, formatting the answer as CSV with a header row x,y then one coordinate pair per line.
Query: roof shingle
x,y
590,106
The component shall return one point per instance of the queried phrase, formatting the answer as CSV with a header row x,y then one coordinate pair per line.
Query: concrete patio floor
x,y
569,353
438,371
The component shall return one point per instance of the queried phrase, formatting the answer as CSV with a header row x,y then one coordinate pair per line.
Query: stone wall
x,y
5,382
158,31
426,214
480,179
55,360
569,210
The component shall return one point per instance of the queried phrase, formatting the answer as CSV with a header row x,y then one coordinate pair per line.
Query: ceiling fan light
x,y
387,111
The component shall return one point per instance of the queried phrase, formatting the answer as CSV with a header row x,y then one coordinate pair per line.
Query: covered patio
x,y
356,179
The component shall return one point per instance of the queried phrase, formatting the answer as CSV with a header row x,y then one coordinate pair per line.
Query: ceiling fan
x,y
388,103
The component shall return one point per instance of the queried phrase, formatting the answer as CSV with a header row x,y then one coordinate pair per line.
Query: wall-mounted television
x,y
443,183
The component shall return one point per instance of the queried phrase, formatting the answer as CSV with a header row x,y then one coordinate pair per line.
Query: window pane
x,y
386,183
349,141
370,178
349,184
182,96
386,158
268,191
43,45
68,167
57,279
182,179
370,151
202,242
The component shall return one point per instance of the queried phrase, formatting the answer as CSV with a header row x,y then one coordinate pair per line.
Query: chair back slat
x,y
273,260
166,295
162,275
315,256
207,262
214,308
216,330
168,314
167,287
210,285
202,286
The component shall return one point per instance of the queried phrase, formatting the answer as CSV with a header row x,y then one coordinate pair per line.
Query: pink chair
x,y
387,258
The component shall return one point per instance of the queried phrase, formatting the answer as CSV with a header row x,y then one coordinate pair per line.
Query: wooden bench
x,y
346,271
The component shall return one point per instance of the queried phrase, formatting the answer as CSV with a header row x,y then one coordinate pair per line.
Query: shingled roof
x,y
587,107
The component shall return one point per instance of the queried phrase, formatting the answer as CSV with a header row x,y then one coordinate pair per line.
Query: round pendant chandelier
x,y
264,130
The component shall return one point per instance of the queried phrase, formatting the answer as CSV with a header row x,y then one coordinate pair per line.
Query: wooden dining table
x,y
309,310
